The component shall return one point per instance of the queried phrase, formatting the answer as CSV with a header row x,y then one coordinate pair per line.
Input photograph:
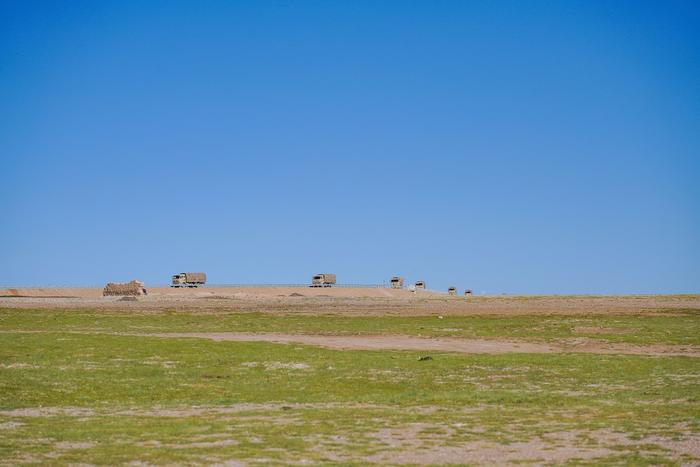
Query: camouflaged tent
x,y
134,287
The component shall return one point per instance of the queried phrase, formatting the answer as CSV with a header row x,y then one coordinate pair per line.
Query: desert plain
x,y
344,376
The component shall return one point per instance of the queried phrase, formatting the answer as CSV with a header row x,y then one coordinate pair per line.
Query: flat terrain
x,y
347,376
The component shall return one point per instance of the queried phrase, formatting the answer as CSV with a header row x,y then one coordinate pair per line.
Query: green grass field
x,y
681,326
100,398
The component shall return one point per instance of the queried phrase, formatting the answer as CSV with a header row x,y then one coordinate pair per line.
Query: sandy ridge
x,y
346,302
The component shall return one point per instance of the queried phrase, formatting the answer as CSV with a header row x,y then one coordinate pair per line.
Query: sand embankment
x,y
232,292
344,301
52,292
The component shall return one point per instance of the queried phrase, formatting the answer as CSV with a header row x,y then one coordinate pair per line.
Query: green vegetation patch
x,y
105,398
112,399
679,327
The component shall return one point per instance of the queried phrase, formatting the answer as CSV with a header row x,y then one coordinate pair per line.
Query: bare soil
x,y
411,447
343,301
440,344
422,443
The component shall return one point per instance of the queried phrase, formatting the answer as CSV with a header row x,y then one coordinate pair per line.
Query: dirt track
x,y
441,344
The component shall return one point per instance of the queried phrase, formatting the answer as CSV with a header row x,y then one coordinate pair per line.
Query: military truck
x,y
420,285
189,279
323,280
452,291
397,282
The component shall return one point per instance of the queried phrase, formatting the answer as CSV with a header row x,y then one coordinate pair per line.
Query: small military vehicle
x,y
189,279
323,280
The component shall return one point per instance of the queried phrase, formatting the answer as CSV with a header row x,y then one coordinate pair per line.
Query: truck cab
x,y
178,280
323,280
189,279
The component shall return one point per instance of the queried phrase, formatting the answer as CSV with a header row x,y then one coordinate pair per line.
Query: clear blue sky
x,y
519,147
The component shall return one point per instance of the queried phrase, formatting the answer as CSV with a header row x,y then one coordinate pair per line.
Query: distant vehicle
x,y
397,282
452,291
323,280
420,285
189,279
468,293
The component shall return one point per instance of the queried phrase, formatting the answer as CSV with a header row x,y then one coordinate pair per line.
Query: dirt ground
x,y
417,443
438,344
345,301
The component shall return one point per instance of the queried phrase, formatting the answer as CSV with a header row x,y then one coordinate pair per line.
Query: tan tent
x,y
134,287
